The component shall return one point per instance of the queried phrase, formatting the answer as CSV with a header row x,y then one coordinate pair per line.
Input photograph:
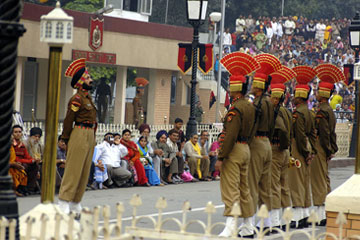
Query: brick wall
x,y
350,229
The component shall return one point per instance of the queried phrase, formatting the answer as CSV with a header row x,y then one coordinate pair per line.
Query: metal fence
x,y
91,228
343,131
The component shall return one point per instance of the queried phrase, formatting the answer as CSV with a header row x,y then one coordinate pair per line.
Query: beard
x,y
87,87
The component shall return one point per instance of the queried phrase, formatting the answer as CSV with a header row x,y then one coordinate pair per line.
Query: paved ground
x,y
197,193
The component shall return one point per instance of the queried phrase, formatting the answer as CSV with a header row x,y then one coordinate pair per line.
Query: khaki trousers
x,y
279,178
234,184
299,180
78,162
204,166
319,176
260,171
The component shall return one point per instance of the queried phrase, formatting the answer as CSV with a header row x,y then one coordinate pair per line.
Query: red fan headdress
x,y
278,80
304,75
268,65
328,75
141,82
76,71
239,65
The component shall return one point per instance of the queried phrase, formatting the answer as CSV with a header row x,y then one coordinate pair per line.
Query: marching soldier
x,y
260,148
138,107
302,147
280,146
234,156
80,139
326,147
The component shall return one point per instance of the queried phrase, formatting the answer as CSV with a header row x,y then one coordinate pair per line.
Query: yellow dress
x,y
327,35
19,177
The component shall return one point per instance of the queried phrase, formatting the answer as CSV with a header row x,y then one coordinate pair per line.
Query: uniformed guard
x,y
326,147
260,148
234,155
280,144
138,107
80,139
302,147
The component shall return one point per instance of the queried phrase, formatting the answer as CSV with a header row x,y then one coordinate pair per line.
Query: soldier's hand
x,y
218,165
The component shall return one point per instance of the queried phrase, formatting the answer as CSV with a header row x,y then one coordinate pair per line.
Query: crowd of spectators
x,y
297,41
120,160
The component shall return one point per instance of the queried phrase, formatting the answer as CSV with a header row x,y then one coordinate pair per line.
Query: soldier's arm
x,y
300,136
280,126
73,108
324,132
233,123
313,136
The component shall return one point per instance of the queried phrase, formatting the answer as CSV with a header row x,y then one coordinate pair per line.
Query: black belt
x,y
242,139
87,125
262,134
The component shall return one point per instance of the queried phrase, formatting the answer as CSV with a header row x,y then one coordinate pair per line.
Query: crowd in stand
x,y
298,41
120,161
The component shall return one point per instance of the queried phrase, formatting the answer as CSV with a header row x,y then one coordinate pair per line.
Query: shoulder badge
x,y
230,116
74,108
295,116
77,96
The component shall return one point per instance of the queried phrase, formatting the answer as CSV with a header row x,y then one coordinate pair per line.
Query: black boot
x,y
322,223
292,224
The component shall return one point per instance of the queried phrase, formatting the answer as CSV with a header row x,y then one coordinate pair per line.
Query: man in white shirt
x,y
269,33
320,31
289,26
240,24
227,39
111,154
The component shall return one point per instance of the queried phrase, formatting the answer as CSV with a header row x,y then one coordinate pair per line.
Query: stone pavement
x,y
197,193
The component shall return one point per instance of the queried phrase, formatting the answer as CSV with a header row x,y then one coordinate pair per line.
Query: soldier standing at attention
x,y
326,147
138,107
280,146
234,155
80,139
302,147
260,148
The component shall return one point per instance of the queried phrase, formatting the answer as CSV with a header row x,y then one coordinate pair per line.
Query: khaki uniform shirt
x,y
81,109
265,122
238,123
304,130
283,128
325,125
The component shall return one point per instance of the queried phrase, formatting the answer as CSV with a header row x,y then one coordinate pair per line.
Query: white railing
x,y
92,228
343,131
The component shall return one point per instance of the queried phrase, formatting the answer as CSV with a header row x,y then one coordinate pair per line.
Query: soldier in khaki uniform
x,y
80,139
302,147
138,108
326,147
234,155
280,146
260,147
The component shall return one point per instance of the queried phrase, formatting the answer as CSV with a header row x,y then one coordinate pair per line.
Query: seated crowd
x,y
119,160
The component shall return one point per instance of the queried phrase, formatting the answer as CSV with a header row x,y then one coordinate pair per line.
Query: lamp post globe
x,y
196,15
56,29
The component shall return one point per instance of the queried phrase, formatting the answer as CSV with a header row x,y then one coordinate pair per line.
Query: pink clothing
x,y
214,146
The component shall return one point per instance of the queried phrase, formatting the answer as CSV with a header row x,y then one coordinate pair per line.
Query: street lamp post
x,y
354,37
196,14
56,29
10,31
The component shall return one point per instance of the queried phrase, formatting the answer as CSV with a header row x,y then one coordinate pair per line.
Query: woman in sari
x,y
133,158
147,162
18,174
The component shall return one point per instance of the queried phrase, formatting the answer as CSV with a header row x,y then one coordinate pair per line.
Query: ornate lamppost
x,y
56,29
354,37
10,31
196,15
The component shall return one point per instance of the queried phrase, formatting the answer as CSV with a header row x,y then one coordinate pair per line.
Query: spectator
x,y
336,99
198,163
198,112
310,30
18,175
35,150
240,24
204,145
227,40
172,142
320,31
214,151
23,157
180,143
168,159
147,162
133,158
289,27
103,159
60,160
